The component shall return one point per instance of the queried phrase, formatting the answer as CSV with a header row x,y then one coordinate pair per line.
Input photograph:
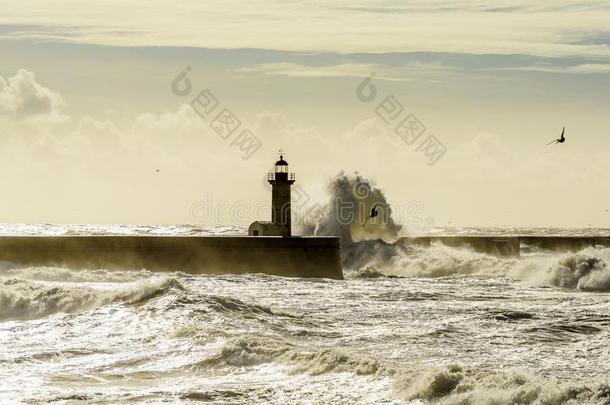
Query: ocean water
x,y
429,325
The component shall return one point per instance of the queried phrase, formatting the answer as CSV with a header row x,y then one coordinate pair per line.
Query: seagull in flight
x,y
559,140
374,213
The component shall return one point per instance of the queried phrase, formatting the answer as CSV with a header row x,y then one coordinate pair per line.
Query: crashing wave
x,y
586,270
332,360
347,213
442,261
21,299
60,274
368,243
251,351
457,385
231,304
366,272
581,271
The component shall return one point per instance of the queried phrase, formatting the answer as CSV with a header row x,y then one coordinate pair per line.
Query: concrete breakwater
x,y
316,257
511,245
309,257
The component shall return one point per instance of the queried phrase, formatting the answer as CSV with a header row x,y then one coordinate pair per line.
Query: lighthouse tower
x,y
281,225
281,181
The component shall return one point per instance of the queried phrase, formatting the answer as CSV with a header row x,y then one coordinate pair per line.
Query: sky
x,y
96,126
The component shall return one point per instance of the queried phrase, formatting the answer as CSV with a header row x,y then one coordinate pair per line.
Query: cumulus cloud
x,y
179,130
31,120
93,133
184,121
22,96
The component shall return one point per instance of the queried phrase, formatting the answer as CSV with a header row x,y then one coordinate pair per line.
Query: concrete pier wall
x,y
495,245
510,245
564,243
317,257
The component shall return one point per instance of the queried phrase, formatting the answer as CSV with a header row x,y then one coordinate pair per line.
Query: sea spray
x,y
348,212
582,271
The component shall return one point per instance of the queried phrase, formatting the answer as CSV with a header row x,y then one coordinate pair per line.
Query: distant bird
x,y
559,140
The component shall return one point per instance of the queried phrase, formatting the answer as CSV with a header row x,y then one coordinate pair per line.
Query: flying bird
x,y
559,140
374,213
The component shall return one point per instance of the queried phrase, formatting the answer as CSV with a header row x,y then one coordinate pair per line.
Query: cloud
x,y
176,130
22,96
304,71
584,68
91,133
507,27
406,72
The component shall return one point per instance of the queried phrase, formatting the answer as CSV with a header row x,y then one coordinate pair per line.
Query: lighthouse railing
x,y
288,176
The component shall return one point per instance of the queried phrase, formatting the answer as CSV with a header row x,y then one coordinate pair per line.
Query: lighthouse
x,y
281,181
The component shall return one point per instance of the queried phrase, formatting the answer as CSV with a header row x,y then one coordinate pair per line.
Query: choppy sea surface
x,y
431,325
